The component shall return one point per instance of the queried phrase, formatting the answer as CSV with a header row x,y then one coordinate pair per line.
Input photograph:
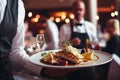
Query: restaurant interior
x,y
60,12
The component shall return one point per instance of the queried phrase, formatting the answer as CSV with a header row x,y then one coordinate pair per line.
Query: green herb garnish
x,y
43,54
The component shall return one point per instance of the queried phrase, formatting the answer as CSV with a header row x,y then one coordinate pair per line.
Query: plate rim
x,y
63,67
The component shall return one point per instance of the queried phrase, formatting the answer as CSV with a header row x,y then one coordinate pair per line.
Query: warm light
x,y
57,20
61,1
59,14
34,19
112,7
30,14
116,13
38,16
106,9
42,31
63,16
67,20
113,14
52,18
72,16
97,17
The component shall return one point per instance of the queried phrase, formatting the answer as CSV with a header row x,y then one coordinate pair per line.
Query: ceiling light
x,y
67,20
30,14
57,20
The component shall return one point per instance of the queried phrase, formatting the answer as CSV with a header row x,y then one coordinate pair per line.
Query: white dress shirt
x,y
51,35
87,27
18,56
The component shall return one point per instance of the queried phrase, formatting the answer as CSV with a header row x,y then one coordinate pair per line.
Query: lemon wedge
x,y
84,54
88,55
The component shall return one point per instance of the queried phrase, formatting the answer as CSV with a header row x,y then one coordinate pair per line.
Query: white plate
x,y
103,59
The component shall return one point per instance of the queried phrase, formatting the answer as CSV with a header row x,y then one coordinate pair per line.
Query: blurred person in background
x,y
51,35
78,31
112,36
12,33
28,34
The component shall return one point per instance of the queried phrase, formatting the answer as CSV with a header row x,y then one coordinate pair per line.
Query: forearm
x,y
21,61
35,69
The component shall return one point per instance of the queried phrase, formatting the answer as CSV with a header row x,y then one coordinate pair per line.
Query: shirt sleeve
x,y
18,56
94,37
92,32
2,8
52,35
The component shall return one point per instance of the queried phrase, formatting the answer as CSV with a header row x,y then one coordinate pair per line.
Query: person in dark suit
x,y
112,37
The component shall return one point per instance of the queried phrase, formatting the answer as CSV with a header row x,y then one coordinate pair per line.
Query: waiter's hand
x,y
76,41
98,47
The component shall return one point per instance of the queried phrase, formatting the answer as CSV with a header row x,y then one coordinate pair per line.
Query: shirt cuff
x,y
35,69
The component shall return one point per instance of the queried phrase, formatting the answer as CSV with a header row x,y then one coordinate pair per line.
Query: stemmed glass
x,y
36,43
40,40
32,48
33,43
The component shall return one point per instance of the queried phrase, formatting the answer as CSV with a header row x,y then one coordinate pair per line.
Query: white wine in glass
x,y
40,40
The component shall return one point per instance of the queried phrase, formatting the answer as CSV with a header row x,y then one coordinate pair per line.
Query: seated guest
x,y
112,35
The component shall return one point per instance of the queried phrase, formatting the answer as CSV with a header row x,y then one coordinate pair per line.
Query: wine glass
x,y
32,40
31,49
33,44
40,40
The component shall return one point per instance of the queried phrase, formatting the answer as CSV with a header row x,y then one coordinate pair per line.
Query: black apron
x,y
82,36
82,73
8,28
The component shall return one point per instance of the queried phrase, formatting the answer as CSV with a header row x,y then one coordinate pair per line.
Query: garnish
x,y
44,54
66,43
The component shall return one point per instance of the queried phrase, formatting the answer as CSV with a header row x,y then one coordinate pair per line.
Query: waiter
x,y
12,44
12,39
78,31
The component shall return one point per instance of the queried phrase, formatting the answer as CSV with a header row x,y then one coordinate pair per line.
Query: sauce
x,y
84,62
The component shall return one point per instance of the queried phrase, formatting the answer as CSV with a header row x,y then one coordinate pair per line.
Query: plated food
x,y
68,55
